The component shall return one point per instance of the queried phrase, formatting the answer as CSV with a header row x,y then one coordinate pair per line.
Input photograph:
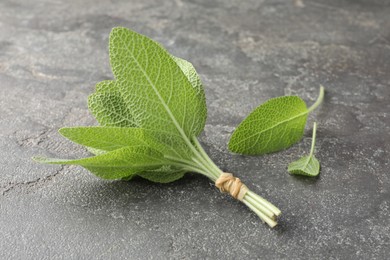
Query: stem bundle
x,y
266,211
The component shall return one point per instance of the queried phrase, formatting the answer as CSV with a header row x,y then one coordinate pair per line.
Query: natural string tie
x,y
227,183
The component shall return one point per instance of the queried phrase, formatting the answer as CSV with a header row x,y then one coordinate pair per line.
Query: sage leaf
x,y
102,139
157,93
275,125
116,164
108,106
95,151
105,138
165,174
189,71
306,165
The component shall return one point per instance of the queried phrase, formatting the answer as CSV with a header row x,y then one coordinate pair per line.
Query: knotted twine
x,y
227,183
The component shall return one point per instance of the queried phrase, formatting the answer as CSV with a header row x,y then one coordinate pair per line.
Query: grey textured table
x,y
53,52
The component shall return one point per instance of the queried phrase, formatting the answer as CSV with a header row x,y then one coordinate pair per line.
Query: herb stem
x,y
272,223
202,161
190,166
206,157
267,212
264,202
313,139
318,101
211,172
202,164
180,160
261,207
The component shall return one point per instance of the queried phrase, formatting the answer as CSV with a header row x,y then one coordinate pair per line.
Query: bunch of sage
x,y
150,117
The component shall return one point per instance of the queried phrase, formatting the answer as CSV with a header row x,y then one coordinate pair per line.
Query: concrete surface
x,y
53,52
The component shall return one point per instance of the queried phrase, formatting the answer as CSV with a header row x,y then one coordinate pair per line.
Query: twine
x,y
227,183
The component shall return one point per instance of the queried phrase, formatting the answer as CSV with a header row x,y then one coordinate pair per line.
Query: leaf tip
x,y
64,131
117,29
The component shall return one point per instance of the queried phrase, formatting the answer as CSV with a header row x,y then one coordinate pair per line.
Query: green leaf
x,y
108,106
105,138
153,86
101,139
189,71
306,165
107,86
95,151
275,125
116,164
165,174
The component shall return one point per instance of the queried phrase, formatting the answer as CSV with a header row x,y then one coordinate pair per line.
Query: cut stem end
x,y
266,211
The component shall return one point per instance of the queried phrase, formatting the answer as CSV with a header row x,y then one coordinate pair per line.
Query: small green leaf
x,y
275,125
116,164
306,165
108,106
105,138
99,139
189,71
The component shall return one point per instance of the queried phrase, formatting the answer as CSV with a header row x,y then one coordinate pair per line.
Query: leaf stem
x,y
206,156
265,210
191,168
189,165
313,139
264,202
212,173
180,160
272,223
318,101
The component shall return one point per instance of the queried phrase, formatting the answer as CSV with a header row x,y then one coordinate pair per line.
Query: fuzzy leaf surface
x,y
275,125
154,88
306,165
165,174
102,139
116,164
108,106
189,71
